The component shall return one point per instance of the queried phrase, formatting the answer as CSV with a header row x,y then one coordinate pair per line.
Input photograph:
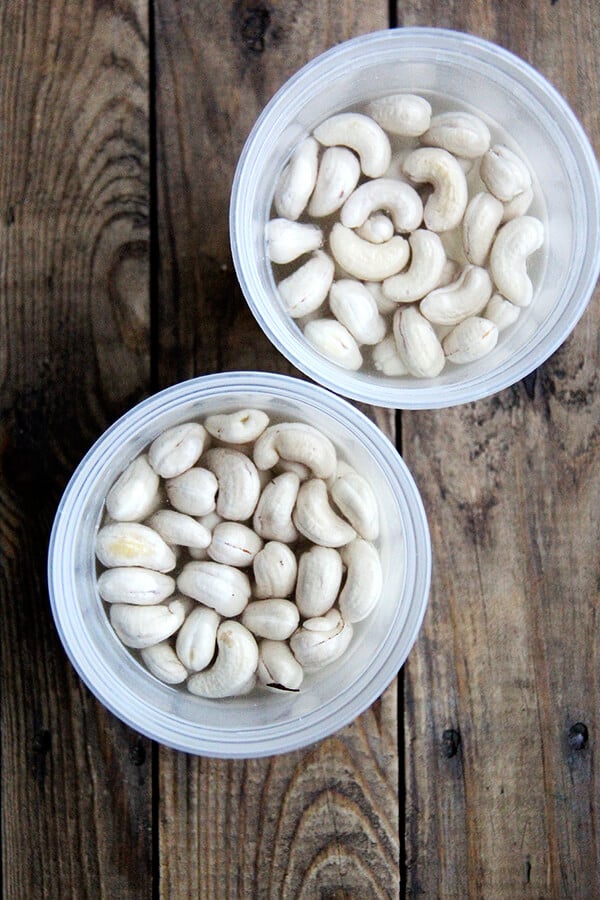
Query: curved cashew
x,y
298,442
239,427
466,297
445,207
135,585
239,484
501,312
514,243
196,639
273,514
353,305
417,343
193,492
334,341
234,544
504,173
319,580
161,660
396,197
386,358
236,662
133,544
177,449
273,618
321,641
364,260
275,569
316,520
142,626
135,492
481,221
287,240
423,273
305,290
179,529
363,135
297,180
339,171
404,114
470,340
460,133
518,206
364,580
354,497
377,229
278,667
223,588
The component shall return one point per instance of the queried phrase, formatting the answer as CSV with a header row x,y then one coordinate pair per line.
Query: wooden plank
x,y
76,796
323,821
502,692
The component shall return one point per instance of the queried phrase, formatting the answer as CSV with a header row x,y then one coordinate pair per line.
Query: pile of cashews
x,y
427,231
236,552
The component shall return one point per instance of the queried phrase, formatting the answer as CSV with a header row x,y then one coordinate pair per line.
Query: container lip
x,y
192,737
581,285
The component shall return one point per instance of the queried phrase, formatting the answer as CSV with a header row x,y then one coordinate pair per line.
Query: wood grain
x,y
76,808
502,692
320,822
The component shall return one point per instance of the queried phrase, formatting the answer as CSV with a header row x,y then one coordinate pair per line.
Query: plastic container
x,y
465,72
265,722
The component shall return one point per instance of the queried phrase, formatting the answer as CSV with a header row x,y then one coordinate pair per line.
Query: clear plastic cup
x,y
467,72
265,722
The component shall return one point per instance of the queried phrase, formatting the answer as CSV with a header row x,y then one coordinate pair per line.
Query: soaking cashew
x,y
417,343
238,482
353,305
504,173
179,529
306,289
240,427
224,588
514,244
470,340
133,544
363,135
297,180
234,667
501,312
465,297
354,497
196,639
364,580
298,442
481,221
193,492
377,229
134,494
445,207
142,626
364,260
273,514
460,133
334,341
161,660
287,240
407,115
398,198
275,568
273,618
319,580
315,518
518,206
135,585
234,544
278,667
423,273
320,642
339,171
177,449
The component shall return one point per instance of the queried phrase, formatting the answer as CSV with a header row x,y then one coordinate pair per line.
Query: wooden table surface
x,y
473,776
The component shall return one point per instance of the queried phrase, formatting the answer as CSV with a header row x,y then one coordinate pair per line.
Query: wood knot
x,y
450,742
578,736
254,26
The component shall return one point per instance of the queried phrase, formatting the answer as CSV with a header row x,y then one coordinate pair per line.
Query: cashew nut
x,y
364,580
445,207
339,171
363,135
134,494
239,427
364,260
396,197
386,358
377,229
305,290
273,514
320,641
161,660
334,341
504,173
319,580
460,133
518,206
177,449
223,588
417,343
466,297
354,497
234,544
287,240
501,312
234,667
179,529
470,340
278,667
299,442
423,273
297,180
405,114
514,243
275,568
239,484
353,305
135,585
196,639
273,618
133,544
481,221
142,626
193,492
316,520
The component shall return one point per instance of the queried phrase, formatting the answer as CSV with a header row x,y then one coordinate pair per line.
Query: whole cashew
x,y
405,114
339,171
316,520
224,588
377,229
278,667
470,340
353,305
162,661
364,260
364,580
177,449
142,626
273,514
273,618
196,639
504,173
465,297
354,497
287,240
236,662
514,243
306,289
320,641
239,484
179,529
481,221
298,442
397,197
501,312
133,544
445,207
134,494
234,544
363,135
135,585
423,273
297,180
334,341
239,427
319,580
193,491
275,569
417,343
460,133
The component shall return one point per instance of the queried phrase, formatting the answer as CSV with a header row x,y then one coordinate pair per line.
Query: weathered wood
x,y
502,799
323,822
76,810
